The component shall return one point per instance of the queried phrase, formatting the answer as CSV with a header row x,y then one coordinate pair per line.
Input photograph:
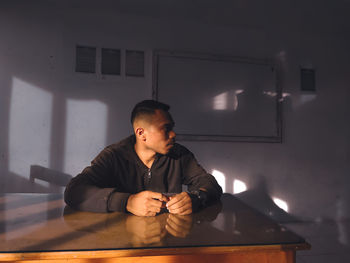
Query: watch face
x,y
195,192
200,195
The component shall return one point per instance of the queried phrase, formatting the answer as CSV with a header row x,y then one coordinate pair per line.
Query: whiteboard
x,y
219,98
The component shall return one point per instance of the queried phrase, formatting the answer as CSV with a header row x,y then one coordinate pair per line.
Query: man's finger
x,y
173,223
182,200
157,196
150,213
177,230
175,199
154,209
180,220
155,203
171,230
183,210
177,205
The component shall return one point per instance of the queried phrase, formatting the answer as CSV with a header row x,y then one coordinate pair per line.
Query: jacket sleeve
x,y
94,189
196,178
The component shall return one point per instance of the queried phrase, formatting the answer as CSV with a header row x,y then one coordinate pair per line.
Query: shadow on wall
x,y
56,181
41,180
259,198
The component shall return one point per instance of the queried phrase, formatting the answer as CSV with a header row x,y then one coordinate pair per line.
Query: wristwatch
x,y
199,199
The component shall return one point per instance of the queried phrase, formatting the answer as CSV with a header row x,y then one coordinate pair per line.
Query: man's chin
x,y
168,149
170,146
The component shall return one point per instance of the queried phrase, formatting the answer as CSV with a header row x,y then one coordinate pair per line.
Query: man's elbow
x,y
69,197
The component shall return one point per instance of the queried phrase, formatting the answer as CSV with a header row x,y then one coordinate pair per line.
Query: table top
x,y
43,223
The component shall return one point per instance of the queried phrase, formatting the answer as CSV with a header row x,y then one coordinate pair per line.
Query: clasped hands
x,y
148,203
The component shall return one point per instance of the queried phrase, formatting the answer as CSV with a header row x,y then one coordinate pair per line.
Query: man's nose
x,y
172,134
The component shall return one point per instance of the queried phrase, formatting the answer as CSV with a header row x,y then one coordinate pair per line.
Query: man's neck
x,y
147,156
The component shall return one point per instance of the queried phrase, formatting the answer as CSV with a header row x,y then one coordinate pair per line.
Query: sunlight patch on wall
x,y
239,186
227,100
30,127
274,94
280,203
305,98
220,101
341,215
220,178
85,133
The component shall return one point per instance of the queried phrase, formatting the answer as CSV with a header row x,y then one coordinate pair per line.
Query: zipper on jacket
x,y
148,177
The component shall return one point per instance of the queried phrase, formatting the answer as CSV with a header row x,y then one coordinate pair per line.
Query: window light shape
x,y
239,186
220,178
280,203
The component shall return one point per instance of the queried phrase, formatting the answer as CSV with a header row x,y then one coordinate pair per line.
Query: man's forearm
x,y
83,196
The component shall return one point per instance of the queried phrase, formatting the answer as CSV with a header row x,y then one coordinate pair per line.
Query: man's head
x,y
153,126
146,109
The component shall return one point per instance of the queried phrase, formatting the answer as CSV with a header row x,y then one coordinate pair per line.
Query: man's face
x,y
160,135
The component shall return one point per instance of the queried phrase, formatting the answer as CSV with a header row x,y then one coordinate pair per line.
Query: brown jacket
x,y
117,172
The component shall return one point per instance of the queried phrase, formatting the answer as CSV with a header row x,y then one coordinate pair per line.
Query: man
x,y
144,173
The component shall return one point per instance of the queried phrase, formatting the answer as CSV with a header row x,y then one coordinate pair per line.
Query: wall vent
x,y
307,79
85,59
110,61
135,63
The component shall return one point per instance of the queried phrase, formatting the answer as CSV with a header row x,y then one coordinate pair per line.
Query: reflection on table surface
x,y
42,222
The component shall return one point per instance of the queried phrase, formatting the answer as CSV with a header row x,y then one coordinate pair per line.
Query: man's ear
x,y
140,133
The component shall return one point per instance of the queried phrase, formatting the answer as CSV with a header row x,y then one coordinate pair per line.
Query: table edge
x,y
148,252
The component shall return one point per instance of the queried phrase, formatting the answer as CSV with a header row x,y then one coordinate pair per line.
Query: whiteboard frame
x,y
277,138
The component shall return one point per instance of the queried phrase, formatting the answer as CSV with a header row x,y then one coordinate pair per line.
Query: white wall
x,y
59,119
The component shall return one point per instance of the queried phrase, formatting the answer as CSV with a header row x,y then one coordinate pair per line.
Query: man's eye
x,y
168,128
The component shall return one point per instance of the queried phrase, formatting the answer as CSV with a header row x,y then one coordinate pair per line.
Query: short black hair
x,y
147,107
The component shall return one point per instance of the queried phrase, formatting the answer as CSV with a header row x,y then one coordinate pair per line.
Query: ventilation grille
x,y
115,62
85,59
307,79
110,61
135,63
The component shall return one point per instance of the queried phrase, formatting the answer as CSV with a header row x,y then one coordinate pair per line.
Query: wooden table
x,y
39,227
